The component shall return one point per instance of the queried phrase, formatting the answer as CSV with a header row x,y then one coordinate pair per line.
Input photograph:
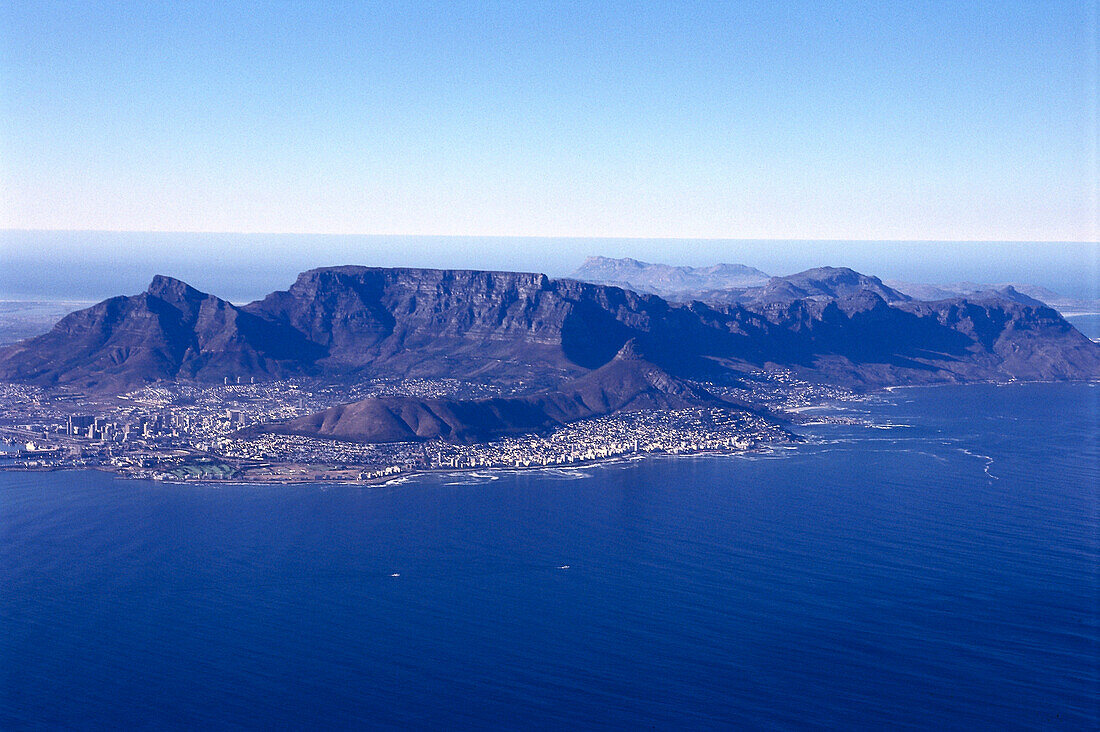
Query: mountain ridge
x,y
353,322
170,331
685,284
666,280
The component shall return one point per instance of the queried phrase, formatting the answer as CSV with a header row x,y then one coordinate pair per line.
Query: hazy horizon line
x,y
93,263
573,237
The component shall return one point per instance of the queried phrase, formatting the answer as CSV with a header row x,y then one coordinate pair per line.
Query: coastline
x,y
305,473
1010,382
403,475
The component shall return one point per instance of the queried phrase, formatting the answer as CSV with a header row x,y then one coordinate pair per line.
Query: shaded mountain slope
x,y
627,383
170,331
419,322
522,328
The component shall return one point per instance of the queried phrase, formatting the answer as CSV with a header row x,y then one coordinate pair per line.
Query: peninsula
x,y
360,373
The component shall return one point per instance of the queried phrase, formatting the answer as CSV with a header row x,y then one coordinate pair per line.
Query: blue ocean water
x,y
938,573
1088,323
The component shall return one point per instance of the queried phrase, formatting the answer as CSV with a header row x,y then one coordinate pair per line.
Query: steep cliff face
x,y
1018,340
422,322
361,321
347,308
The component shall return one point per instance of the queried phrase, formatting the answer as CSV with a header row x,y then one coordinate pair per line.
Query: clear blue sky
x,y
875,120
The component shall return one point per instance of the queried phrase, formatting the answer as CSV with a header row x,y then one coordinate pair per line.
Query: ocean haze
x,y
44,265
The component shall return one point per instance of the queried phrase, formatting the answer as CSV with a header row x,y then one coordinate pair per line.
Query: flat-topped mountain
x,y
361,322
627,383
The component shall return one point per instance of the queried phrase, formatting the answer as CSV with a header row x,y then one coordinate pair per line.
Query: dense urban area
x,y
180,432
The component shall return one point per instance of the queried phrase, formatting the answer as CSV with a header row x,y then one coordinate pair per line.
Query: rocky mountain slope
x,y
170,331
819,283
522,328
627,383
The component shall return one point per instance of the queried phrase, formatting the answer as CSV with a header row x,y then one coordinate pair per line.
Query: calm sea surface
x,y
941,573
1089,324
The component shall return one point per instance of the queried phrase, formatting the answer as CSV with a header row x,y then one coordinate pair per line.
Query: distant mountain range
x,y
528,331
729,283
1013,291
821,283
666,280
739,283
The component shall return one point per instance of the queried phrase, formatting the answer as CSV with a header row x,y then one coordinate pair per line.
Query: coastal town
x,y
190,432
